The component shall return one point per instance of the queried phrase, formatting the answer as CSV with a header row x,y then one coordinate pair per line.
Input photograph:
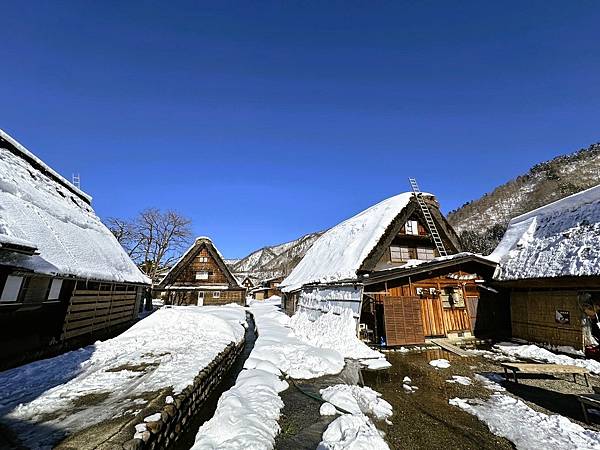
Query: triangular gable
x,y
191,254
412,208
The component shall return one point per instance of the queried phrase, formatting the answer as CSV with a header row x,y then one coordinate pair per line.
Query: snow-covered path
x,y
247,414
47,399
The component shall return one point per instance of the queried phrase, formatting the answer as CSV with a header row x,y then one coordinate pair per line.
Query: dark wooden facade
x,y
267,288
43,321
436,299
201,278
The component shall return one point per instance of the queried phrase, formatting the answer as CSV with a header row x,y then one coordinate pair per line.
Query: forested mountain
x,y
481,223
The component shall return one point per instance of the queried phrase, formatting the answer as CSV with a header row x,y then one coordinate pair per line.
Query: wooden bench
x,y
545,369
588,400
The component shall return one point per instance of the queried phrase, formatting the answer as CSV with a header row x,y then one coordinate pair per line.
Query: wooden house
x,y
64,278
267,288
385,265
246,281
549,266
201,277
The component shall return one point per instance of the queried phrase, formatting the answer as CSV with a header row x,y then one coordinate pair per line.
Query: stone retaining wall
x,y
175,416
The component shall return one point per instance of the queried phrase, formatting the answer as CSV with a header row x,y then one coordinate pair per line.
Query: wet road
x,y
424,419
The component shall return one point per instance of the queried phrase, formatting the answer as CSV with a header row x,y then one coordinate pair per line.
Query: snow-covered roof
x,y
41,210
559,239
340,251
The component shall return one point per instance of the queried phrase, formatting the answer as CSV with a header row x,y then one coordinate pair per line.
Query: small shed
x,y
201,277
549,264
64,278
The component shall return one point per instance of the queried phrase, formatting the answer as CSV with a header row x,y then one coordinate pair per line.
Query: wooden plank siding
x,y
90,311
403,324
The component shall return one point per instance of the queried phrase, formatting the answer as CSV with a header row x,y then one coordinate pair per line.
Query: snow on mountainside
x,y
276,260
481,223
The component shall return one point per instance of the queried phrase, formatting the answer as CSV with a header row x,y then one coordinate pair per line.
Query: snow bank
x,y
559,239
531,351
341,250
355,430
458,379
333,331
246,415
349,432
41,208
526,428
167,349
357,400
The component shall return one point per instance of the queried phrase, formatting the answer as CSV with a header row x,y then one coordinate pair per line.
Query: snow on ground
x,y
355,430
246,415
541,354
350,432
526,428
458,379
357,400
334,331
440,363
167,349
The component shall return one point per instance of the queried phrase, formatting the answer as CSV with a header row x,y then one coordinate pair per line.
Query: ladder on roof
x,y
437,240
76,181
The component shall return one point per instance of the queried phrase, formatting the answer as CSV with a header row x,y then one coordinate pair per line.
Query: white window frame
x,y
202,275
55,287
203,259
425,254
12,288
412,227
216,294
399,249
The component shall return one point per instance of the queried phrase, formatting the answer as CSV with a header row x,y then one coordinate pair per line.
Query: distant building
x,y
267,288
201,277
385,266
549,263
64,278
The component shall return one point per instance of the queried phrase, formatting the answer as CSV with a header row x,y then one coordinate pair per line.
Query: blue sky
x,y
265,121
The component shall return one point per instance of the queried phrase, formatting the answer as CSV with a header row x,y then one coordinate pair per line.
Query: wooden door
x,y
402,318
432,316
472,303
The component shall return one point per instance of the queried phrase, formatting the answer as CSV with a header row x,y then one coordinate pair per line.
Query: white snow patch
x,y
327,409
440,363
458,379
357,400
526,428
532,351
153,418
350,432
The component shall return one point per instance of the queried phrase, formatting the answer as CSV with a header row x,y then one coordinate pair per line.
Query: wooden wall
x,y
188,273
533,316
403,321
93,310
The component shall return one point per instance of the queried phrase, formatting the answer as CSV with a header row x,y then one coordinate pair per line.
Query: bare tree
x,y
154,238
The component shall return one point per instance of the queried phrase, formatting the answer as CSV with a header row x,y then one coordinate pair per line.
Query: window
x,y
35,289
10,293
217,294
399,254
202,275
203,259
55,289
412,227
425,254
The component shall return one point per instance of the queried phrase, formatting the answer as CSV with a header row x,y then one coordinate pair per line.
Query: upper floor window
x,y
203,259
425,254
412,227
399,254
202,275
12,287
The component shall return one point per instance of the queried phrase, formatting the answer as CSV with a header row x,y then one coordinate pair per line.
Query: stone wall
x,y
177,415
